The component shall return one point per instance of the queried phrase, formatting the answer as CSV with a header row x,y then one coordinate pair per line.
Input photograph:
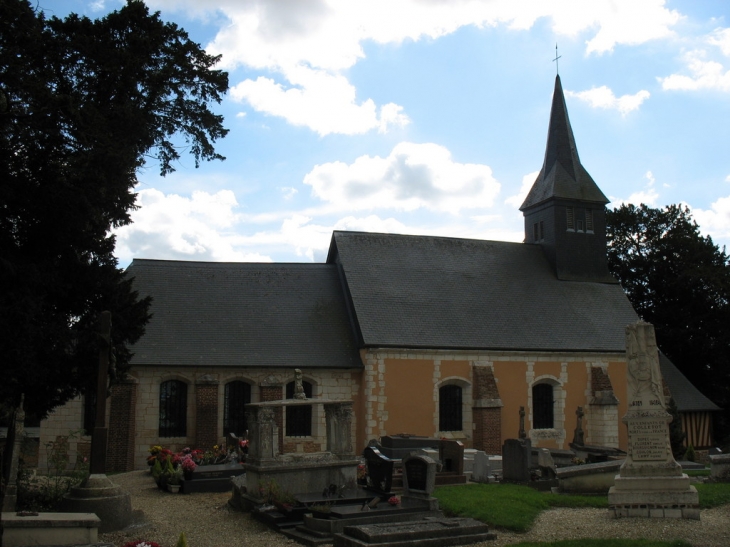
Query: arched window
x,y
299,418
450,410
543,405
237,396
173,408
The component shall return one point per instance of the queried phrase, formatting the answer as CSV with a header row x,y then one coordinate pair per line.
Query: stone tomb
x,y
212,478
380,470
650,482
296,473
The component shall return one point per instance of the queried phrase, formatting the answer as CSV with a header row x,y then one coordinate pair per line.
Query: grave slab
x,y
50,529
427,533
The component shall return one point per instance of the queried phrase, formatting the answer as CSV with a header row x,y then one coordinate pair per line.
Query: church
x,y
431,336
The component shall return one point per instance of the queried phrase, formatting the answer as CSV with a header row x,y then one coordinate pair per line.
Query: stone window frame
x,y
224,408
466,408
556,432
316,412
187,411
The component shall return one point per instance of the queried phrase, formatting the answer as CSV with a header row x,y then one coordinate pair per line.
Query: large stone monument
x,y
650,482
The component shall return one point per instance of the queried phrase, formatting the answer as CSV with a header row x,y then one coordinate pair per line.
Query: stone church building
x,y
430,336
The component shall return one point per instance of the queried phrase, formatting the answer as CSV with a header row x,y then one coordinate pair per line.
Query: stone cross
x,y
13,444
97,460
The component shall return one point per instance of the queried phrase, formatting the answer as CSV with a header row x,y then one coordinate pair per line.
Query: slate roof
x,y
562,175
687,397
437,292
244,315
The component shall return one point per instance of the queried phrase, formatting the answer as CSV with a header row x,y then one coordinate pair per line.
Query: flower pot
x,y
174,488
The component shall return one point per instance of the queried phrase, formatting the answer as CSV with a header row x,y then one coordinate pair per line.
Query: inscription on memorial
x,y
648,439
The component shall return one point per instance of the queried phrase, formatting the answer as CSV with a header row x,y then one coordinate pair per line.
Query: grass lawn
x,y
515,507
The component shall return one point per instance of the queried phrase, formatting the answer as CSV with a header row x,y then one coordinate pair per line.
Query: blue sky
x,y
430,117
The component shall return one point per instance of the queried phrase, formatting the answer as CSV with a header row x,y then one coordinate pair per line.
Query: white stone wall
x,y
66,420
330,384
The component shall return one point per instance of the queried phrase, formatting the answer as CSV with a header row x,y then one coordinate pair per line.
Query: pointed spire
x,y
562,175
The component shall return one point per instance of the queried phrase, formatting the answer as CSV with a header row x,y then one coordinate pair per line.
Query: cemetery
x,y
385,495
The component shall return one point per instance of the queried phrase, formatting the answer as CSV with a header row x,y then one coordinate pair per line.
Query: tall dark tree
x,y
678,280
83,104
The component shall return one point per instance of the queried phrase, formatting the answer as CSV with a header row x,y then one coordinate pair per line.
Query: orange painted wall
x,y
617,372
403,380
512,388
462,369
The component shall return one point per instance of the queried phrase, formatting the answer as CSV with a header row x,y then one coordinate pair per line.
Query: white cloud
x,y
169,226
288,192
721,38
716,220
704,74
324,102
413,176
603,97
527,181
306,45
648,195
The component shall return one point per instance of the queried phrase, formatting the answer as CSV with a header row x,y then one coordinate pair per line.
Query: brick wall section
x,y
600,380
275,393
307,447
485,387
487,411
488,429
122,427
206,414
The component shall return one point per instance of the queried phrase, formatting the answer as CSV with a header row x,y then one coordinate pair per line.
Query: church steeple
x,y
565,210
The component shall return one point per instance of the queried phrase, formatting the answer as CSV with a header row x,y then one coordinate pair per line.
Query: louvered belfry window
x,y
570,218
173,408
299,418
543,404
237,395
450,412
589,220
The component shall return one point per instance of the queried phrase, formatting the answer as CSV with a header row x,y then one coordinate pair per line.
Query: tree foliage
x,y
679,281
83,104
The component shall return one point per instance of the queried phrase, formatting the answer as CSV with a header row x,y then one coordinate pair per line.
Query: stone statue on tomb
x,y
644,375
578,435
298,385
522,433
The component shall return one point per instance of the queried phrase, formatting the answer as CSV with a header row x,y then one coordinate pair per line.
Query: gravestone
x,y
650,482
419,481
380,470
516,459
451,454
546,463
397,447
482,470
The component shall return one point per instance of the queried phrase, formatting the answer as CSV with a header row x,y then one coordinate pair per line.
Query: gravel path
x,y
207,521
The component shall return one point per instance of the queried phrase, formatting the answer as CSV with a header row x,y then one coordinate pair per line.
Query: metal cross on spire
x,y
557,71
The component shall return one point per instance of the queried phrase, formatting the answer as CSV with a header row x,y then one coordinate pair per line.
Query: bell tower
x,y
565,210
